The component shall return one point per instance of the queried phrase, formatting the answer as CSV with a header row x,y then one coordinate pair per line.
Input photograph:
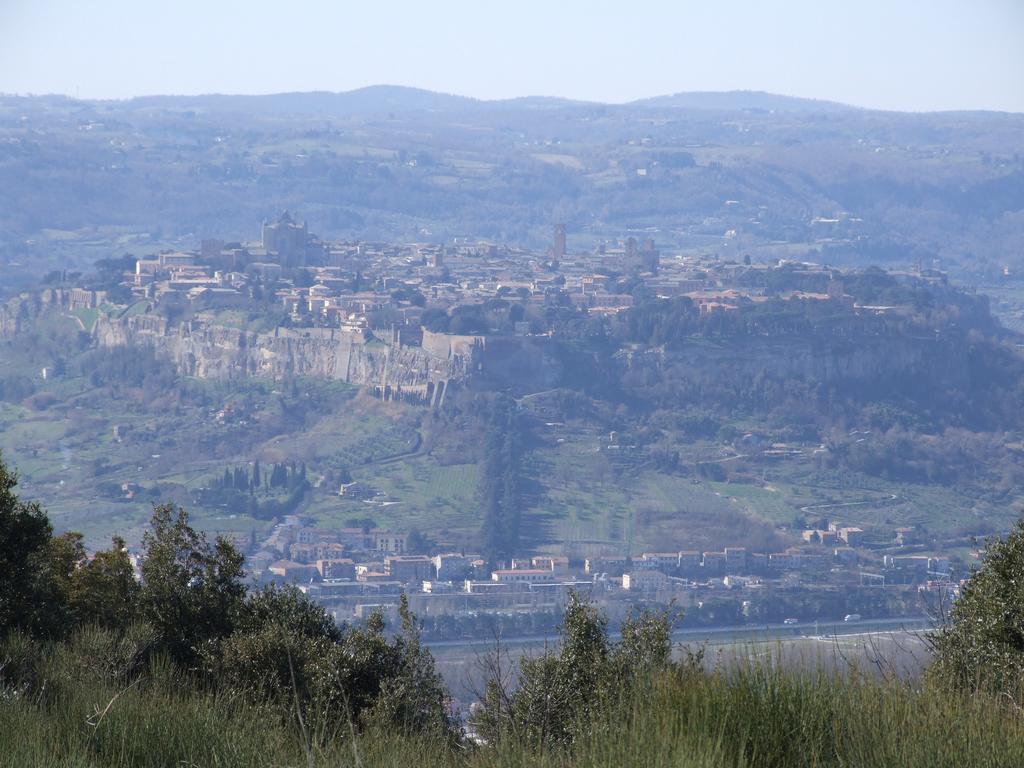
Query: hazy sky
x,y
892,54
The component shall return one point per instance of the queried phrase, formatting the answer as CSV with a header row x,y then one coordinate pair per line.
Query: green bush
x,y
981,646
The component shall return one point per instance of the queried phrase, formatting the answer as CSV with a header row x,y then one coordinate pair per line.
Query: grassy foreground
x,y
754,714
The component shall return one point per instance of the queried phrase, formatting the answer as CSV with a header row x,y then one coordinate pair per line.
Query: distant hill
x,y
840,184
369,100
378,99
534,103
741,100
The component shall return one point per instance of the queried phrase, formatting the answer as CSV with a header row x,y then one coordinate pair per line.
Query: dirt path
x,y
887,499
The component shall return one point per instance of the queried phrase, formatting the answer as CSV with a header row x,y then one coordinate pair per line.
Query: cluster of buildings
x,y
353,571
386,286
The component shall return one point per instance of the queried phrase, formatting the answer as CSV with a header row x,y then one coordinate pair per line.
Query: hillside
x,y
664,426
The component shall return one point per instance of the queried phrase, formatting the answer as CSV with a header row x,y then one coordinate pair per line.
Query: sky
x,y
914,55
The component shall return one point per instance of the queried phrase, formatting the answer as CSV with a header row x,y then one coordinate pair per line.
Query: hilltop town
x,y
435,327
293,305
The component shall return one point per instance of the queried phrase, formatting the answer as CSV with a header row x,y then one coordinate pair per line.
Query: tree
x,y
286,606
191,592
435,319
416,543
412,695
50,586
561,690
500,481
276,650
25,534
59,563
981,645
467,319
286,650
103,590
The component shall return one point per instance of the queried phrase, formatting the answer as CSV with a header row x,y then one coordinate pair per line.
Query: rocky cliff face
x,y
422,373
227,353
20,312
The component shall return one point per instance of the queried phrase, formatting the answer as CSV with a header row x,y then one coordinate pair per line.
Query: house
x,y
521,576
291,571
373,577
610,565
409,568
557,564
689,561
644,581
355,539
796,559
303,553
813,536
451,567
666,562
330,551
853,536
475,587
713,562
388,541
342,568
357,490
735,559
438,587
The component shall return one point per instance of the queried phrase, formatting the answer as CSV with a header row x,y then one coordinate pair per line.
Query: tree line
x,y
236,490
501,481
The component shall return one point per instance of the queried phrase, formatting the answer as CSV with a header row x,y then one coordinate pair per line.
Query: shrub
x,y
981,645
561,692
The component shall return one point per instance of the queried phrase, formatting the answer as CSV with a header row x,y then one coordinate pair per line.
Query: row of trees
x,y
500,489
281,475
465,319
237,490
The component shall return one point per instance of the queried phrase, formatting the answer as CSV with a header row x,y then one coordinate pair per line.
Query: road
x,y
745,633
888,498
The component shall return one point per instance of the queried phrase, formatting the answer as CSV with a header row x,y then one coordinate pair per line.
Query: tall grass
x,y
756,713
